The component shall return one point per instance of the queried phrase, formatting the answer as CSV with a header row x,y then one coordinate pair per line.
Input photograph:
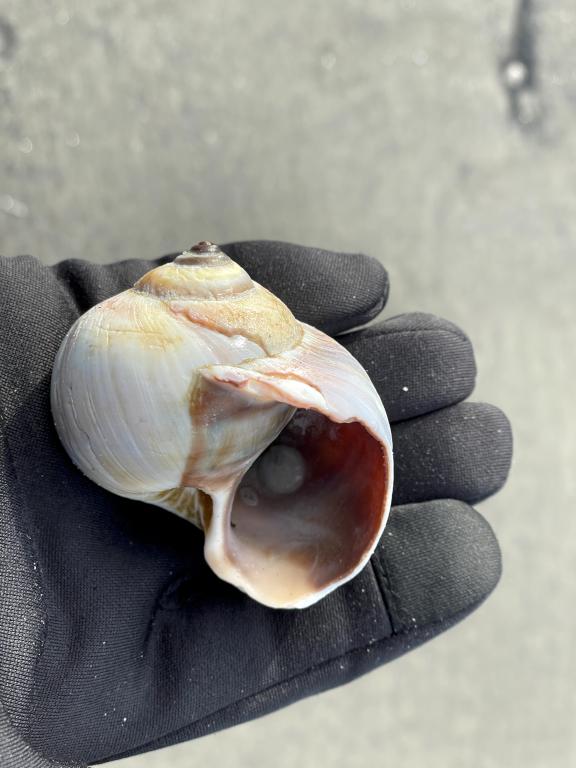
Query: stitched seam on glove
x,y
389,595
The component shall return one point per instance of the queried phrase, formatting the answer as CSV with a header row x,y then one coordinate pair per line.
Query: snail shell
x,y
198,391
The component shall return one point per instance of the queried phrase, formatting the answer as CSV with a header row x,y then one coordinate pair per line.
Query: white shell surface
x,y
157,396
121,391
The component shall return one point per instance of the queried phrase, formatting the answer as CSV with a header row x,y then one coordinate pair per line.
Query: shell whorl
x,y
205,287
204,272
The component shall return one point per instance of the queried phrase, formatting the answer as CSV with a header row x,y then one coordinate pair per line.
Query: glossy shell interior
x,y
296,545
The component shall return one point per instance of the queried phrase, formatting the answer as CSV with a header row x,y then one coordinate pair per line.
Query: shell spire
x,y
203,272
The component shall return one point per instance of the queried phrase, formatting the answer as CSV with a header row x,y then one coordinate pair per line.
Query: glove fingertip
x,y
331,290
437,562
368,293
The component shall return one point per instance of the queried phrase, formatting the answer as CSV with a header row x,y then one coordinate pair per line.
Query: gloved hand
x,y
115,637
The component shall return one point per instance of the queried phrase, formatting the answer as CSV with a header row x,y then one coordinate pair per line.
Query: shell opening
x,y
309,509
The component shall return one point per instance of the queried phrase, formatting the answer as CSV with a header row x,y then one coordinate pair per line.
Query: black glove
x,y
115,637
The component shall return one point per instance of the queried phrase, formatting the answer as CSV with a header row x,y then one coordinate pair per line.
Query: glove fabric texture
x,y
115,636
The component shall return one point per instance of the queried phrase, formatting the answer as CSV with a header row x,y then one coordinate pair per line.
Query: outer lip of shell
x,y
267,569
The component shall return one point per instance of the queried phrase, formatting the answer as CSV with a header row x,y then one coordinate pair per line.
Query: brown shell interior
x,y
290,545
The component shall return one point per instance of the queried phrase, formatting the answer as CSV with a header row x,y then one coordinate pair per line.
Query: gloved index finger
x,y
332,291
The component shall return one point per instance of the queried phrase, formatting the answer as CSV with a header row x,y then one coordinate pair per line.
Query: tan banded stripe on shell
x,y
194,285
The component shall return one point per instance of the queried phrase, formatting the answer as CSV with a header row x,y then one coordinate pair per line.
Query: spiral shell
x,y
198,391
